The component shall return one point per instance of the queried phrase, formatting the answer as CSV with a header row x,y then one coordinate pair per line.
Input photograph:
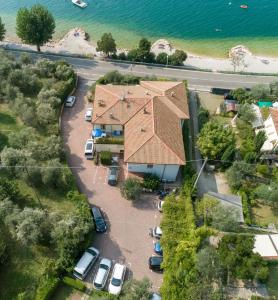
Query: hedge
x,y
110,140
76,284
246,208
105,158
47,288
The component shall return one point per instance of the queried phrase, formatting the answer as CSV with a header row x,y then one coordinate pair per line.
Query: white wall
x,y
271,134
168,172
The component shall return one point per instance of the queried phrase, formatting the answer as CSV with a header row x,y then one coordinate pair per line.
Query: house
x,y
271,130
229,201
266,245
258,122
150,117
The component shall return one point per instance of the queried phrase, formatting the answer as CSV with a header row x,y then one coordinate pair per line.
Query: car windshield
x,y
70,99
89,146
77,274
113,171
156,260
103,266
99,222
92,252
98,285
116,282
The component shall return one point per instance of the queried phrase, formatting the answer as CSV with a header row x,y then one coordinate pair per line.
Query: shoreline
x,y
75,42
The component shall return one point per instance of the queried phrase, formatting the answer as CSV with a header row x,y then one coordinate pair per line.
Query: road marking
x,y
94,180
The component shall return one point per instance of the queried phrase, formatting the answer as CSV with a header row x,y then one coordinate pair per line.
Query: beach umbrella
x,y
97,133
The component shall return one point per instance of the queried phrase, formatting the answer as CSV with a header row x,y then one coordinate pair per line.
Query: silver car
x,y
113,173
70,101
102,273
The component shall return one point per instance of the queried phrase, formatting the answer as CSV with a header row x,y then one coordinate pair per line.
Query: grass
x,y
272,283
223,120
210,101
265,214
65,292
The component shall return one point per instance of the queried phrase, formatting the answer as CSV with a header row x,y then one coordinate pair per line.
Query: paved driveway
x,y
127,238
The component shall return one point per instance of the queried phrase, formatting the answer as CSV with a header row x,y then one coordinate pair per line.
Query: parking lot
x,y
127,239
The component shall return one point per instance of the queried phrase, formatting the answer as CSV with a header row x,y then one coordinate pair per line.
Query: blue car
x,y
157,248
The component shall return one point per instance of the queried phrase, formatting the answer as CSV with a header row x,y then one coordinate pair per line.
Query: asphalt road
x,y
93,69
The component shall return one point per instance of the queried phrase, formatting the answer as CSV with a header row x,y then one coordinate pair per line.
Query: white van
x,y
85,263
117,279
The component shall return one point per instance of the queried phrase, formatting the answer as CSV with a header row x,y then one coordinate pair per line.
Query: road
x,y
93,69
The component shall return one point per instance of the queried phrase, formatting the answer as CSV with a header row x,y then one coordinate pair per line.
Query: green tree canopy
x,y
107,44
214,139
260,91
35,26
177,58
246,112
162,58
2,30
137,289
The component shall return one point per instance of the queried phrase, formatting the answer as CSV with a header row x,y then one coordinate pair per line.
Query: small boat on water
x,y
79,3
244,6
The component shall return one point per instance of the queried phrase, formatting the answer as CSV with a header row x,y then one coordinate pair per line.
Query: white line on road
x,y
95,176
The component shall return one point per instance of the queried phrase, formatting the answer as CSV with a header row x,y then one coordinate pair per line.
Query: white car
x,y
70,101
157,232
117,279
89,149
160,204
102,273
89,114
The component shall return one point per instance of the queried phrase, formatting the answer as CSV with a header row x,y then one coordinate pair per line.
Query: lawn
x,y
272,283
265,214
210,101
65,292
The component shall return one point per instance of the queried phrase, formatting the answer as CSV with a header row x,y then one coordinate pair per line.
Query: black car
x,y
155,263
99,220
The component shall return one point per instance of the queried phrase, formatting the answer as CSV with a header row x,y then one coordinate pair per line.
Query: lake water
x,y
202,26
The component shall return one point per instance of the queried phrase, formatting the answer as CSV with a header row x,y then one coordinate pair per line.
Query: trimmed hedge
x,y
110,140
105,158
246,208
76,284
47,288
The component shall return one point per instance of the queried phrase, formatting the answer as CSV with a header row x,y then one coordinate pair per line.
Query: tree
x,y
205,208
259,140
162,58
225,219
20,139
137,289
107,44
35,26
131,189
242,96
260,91
228,156
2,30
178,58
143,51
25,59
214,139
9,190
268,193
45,114
236,255
237,60
247,113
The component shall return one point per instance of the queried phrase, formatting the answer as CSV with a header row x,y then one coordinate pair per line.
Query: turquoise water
x,y
205,27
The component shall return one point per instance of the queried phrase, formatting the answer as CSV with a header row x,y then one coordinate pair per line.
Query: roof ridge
x,y
107,110
108,91
181,112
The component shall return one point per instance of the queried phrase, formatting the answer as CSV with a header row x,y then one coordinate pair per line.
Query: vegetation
x,y
35,26
2,30
131,189
137,289
106,44
106,158
76,284
37,188
214,139
151,181
110,140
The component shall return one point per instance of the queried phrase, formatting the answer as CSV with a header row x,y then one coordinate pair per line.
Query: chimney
x,y
147,93
173,94
111,115
145,110
142,129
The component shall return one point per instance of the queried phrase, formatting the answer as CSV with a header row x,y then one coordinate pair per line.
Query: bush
x,y
110,140
151,181
263,170
131,189
105,158
246,208
122,56
76,284
47,288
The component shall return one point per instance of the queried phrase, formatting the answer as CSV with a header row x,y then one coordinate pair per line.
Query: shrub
x,y
151,181
76,284
263,170
122,56
105,158
246,208
47,288
110,140
131,189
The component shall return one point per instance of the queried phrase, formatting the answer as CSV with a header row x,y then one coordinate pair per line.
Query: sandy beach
x,y
75,42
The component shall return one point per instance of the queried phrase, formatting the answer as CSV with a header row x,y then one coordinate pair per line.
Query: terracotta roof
x,y
151,113
274,116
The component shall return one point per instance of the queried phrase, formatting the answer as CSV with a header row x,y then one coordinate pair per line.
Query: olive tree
x,y
2,30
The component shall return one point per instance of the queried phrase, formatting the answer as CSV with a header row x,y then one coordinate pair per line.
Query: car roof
x,y
96,211
156,259
118,270
157,245
106,261
158,230
84,261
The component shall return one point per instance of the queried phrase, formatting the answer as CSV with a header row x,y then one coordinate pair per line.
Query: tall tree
x,y
107,44
2,30
35,26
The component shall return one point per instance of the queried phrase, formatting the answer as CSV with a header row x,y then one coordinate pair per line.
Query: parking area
x,y
127,239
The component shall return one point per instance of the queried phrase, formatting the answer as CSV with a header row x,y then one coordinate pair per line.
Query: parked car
x,y
157,248
155,263
85,263
89,114
70,101
113,173
156,232
99,220
160,204
102,273
117,279
156,296
89,149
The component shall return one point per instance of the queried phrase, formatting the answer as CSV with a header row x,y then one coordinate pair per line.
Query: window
x,y
149,166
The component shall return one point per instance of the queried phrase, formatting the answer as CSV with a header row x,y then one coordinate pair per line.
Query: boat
x,y
244,6
79,3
